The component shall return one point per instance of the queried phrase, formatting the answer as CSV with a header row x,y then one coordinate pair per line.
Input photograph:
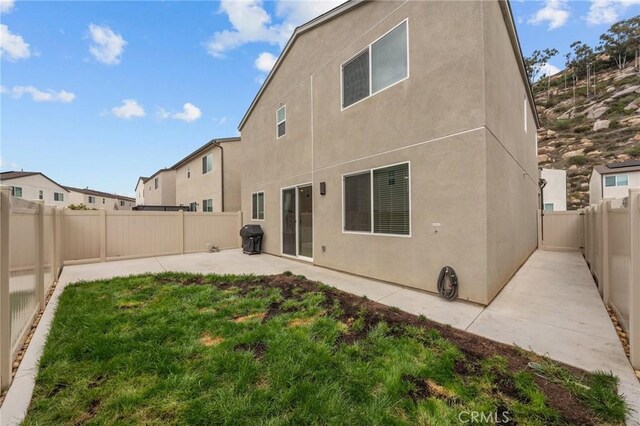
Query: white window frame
x,y
553,207
368,47
121,203
205,203
202,158
58,196
604,180
257,210
280,122
91,199
13,191
371,170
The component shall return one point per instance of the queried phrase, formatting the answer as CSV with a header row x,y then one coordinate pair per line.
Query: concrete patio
x,y
550,306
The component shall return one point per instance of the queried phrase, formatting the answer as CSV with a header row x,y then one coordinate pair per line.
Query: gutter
x,y
217,144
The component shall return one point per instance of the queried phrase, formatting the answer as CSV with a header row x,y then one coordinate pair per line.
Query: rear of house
x,y
160,188
394,138
554,193
208,179
613,180
93,199
35,186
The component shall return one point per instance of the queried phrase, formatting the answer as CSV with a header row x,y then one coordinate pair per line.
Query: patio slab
x,y
550,306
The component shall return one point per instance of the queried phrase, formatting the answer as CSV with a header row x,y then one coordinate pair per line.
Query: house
x,y
35,186
613,180
554,192
99,200
392,139
208,179
160,188
140,190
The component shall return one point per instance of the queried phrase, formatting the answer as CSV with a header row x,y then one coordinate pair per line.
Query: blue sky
x,y
97,93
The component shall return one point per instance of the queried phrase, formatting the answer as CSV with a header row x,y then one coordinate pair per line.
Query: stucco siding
x,y
33,184
165,195
595,187
555,190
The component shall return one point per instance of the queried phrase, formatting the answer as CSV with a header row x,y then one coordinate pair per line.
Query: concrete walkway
x,y
550,306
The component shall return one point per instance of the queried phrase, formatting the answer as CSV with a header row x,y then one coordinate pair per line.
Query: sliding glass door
x,y
297,221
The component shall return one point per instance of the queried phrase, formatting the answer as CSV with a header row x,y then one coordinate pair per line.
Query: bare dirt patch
x,y
257,348
207,340
250,317
299,322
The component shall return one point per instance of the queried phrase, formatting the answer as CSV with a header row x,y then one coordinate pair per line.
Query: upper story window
x,y
616,180
382,64
103,201
58,196
156,183
41,195
188,172
207,205
92,199
257,206
121,203
207,163
281,121
16,191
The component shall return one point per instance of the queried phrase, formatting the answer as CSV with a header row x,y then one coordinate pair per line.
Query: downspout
x,y
221,174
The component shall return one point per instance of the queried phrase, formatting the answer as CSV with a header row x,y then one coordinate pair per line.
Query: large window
x,y
207,163
382,64
16,191
257,206
58,196
207,205
616,180
281,121
377,201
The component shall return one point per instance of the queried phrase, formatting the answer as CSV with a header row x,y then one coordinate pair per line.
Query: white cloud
x,y
38,95
6,6
555,12
108,46
252,23
12,46
130,108
546,70
190,113
608,11
162,113
265,61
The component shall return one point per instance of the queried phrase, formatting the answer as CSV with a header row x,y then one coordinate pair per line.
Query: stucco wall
x,y
165,195
32,185
434,119
101,203
199,186
595,187
620,191
232,175
555,191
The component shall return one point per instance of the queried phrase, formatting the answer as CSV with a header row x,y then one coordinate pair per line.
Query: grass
x,y
191,349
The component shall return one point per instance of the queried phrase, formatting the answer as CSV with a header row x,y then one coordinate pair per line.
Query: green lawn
x,y
192,349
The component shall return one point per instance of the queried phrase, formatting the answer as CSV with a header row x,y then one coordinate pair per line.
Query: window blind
x,y
389,62
391,200
355,79
357,202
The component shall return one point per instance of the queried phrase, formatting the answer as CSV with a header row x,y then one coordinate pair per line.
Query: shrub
x,y
561,124
582,129
578,160
634,151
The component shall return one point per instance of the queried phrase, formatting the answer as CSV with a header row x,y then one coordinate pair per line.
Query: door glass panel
x,y
289,221
305,221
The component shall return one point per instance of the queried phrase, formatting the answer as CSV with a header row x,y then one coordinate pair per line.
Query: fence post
x,y
5,313
604,226
40,254
634,276
103,235
54,244
181,231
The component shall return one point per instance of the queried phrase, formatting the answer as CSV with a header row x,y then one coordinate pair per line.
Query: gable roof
x,y
507,13
626,166
144,180
93,192
15,175
205,147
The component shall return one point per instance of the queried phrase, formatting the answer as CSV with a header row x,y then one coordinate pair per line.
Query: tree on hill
x,y
537,61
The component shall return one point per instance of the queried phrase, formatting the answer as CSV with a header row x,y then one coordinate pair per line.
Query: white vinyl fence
x,y
30,235
37,240
612,250
561,231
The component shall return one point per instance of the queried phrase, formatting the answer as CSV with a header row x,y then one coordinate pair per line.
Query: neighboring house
x,y
140,190
160,188
208,179
554,193
393,139
99,200
613,180
35,186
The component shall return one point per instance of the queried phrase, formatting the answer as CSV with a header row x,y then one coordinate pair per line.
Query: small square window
x,y
58,196
207,205
548,207
92,199
193,207
610,181
622,180
16,191
121,203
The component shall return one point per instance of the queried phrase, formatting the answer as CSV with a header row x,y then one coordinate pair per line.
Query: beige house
x,y
208,179
554,193
35,186
392,139
140,190
613,180
99,200
160,188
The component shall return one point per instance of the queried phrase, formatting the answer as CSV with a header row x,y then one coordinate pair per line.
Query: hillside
x,y
601,128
